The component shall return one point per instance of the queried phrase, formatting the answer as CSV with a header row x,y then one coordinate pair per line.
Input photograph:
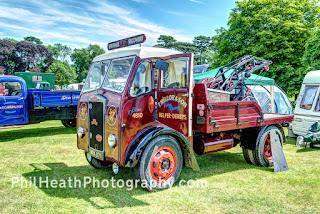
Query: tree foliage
x,y
82,59
165,41
311,57
203,44
23,56
65,73
273,29
6,56
33,40
60,51
200,44
10,40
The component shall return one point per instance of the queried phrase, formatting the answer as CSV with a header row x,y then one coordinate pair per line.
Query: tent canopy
x,y
254,79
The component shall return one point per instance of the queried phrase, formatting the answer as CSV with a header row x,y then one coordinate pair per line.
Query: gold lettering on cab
x,y
137,115
173,116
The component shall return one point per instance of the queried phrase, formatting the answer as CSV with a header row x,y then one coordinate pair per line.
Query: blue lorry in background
x,y
20,106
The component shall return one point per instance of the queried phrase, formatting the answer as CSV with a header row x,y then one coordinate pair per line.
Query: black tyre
x,y
248,156
161,163
263,154
69,123
98,164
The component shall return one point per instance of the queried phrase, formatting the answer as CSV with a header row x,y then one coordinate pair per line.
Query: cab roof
x,y
142,52
313,77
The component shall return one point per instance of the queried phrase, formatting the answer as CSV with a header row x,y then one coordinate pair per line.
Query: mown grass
x,y
49,149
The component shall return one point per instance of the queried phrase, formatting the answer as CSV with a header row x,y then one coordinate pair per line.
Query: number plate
x,y
96,154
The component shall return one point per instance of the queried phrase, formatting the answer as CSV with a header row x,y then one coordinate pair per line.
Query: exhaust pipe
x,y
208,145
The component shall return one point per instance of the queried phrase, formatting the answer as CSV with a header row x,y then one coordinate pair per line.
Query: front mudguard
x,y
137,146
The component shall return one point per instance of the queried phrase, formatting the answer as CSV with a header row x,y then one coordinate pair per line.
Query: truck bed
x,y
231,115
46,98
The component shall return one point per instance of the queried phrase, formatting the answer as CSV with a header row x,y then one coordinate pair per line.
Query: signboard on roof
x,y
134,40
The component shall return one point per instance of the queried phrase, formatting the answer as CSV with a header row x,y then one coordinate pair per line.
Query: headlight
x,y
112,140
300,141
81,132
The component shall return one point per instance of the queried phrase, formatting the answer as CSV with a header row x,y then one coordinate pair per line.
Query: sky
x,y
80,23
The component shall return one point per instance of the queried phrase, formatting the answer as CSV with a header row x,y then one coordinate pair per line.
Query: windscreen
x,y
118,74
10,89
96,75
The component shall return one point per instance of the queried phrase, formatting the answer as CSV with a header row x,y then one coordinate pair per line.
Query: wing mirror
x,y
161,65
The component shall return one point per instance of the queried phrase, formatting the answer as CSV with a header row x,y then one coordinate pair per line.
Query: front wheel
x,y
160,165
69,123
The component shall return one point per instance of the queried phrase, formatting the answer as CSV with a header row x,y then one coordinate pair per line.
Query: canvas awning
x,y
254,79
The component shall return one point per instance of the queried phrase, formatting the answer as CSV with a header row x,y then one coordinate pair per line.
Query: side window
x,y
10,89
141,82
177,74
317,108
308,97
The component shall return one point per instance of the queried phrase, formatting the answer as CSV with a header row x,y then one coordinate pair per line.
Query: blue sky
x,y
80,23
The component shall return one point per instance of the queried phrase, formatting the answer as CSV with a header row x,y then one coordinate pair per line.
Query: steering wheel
x,y
173,85
142,90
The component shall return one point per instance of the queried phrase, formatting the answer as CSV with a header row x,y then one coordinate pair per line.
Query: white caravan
x,y
307,110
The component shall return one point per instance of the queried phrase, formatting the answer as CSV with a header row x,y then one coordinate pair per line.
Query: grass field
x,y
49,149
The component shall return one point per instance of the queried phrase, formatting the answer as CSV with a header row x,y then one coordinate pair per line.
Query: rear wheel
x,y
263,152
69,123
160,165
98,164
248,156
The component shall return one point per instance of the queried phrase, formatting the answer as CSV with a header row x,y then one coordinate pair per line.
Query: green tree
x,y
59,51
82,59
272,29
165,41
33,40
311,57
11,40
65,73
202,43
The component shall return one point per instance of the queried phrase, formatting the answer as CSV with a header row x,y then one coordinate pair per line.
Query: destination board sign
x,y
134,40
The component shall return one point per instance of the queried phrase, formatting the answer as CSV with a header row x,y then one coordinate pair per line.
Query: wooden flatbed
x,y
231,115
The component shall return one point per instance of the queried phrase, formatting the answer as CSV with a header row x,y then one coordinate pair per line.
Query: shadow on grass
x,y
14,134
292,141
219,163
116,197
210,165
302,150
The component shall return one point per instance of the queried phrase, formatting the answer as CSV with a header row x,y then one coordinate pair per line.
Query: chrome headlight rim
x,y
112,140
81,132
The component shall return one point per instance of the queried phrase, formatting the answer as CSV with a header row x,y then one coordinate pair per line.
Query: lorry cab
x,y
307,110
126,97
13,102
43,85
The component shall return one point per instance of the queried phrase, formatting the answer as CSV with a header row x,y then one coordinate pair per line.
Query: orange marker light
x,y
151,104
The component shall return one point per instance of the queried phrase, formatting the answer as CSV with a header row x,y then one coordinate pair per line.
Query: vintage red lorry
x,y
140,108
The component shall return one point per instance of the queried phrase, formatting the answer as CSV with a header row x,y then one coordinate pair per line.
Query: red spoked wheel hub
x,y
267,149
163,164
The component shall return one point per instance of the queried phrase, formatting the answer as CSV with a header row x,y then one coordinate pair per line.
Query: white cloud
x,y
195,1
140,1
99,23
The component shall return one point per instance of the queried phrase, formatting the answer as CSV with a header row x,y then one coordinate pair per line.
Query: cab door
x,y
13,105
174,94
138,107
